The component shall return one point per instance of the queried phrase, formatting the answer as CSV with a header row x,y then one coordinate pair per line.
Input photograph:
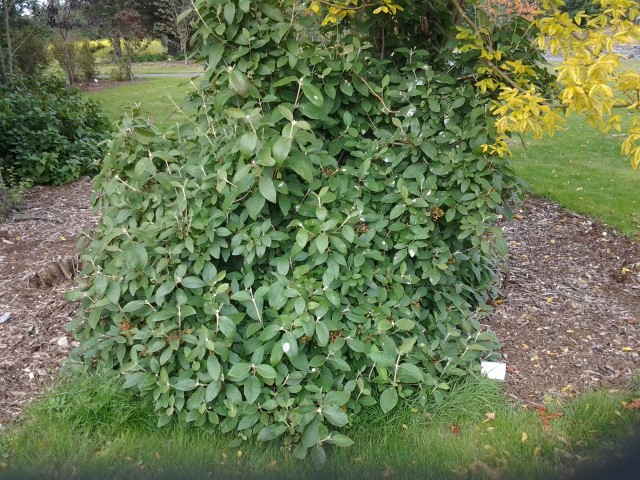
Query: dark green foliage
x,y
86,64
572,7
49,134
317,240
32,52
151,57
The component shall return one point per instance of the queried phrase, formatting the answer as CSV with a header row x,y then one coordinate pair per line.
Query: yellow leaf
x,y
524,437
536,453
627,349
490,416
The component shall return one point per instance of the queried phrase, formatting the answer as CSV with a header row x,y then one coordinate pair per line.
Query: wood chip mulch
x,y
568,319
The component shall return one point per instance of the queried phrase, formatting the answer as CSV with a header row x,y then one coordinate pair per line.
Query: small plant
x,y
121,72
49,134
12,191
86,63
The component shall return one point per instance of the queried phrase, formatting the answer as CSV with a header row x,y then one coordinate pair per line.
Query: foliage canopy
x,y
320,236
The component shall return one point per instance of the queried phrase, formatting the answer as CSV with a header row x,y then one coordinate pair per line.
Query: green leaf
x,y
266,371
410,373
229,12
336,398
192,282
184,15
302,237
185,385
335,416
313,94
384,359
340,440
318,457
237,80
267,189
302,165
213,367
239,372
133,306
388,399
254,205
322,242
252,389
407,345
247,144
281,149
271,432
322,334
113,291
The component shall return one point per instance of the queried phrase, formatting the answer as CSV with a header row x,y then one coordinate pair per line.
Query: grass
x,y
156,97
90,426
584,171
154,67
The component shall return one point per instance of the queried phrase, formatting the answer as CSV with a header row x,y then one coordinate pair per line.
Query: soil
x,y
568,319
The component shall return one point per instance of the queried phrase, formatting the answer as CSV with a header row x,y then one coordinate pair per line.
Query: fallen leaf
x,y
550,300
272,464
534,358
490,416
524,437
633,405
62,238
455,429
545,417
627,349
536,453
566,388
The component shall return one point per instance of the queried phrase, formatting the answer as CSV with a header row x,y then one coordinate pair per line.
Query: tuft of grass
x,y
88,426
157,98
584,171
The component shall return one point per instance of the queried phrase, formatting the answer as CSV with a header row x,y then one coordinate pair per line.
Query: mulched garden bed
x,y
568,318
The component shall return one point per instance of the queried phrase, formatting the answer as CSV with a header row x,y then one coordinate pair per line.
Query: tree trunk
x,y
117,50
7,34
3,68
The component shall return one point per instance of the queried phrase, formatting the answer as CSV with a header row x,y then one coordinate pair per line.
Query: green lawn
x,y
584,171
92,427
154,67
157,97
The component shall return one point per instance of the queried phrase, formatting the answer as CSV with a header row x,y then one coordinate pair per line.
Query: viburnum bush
x,y
317,238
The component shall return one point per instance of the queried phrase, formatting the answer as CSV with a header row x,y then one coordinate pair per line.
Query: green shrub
x,y
32,54
12,192
151,57
86,64
319,239
121,72
49,134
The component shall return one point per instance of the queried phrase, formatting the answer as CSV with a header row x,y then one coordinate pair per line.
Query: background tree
x,y
173,24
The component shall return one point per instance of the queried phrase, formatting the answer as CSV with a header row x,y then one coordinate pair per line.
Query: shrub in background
x,y
317,239
86,63
33,52
49,134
